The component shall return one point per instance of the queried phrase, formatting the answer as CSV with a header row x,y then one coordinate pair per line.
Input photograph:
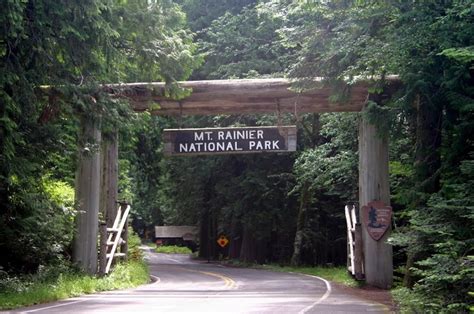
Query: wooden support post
x,y
103,248
87,196
374,185
358,253
124,245
109,189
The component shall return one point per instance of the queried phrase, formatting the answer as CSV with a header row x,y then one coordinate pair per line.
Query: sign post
x,y
374,186
230,140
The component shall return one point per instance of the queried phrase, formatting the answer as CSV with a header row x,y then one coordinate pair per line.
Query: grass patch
x,y
151,245
408,301
334,274
173,249
61,281
71,284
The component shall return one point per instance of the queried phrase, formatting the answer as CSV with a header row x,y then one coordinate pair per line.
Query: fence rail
x,y
112,238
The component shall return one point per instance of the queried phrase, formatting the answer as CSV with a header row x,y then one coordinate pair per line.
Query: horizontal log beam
x,y
239,97
242,96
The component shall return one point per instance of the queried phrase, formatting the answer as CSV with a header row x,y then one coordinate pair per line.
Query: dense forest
x,y
275,208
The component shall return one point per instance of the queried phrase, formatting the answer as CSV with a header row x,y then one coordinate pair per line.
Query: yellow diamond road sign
x,y
222,241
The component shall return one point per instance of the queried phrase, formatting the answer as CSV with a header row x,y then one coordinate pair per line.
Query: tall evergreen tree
x,y
430,47
74,47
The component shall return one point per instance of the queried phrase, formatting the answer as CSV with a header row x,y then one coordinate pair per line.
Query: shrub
x,y
173,249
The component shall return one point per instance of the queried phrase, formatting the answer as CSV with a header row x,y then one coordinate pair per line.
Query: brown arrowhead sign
x,y
376,217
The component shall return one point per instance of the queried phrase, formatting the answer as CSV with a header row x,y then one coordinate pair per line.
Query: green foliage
x,y
429,120
443,234
325,181
244,45
463,55
152,45
173,249
54,283
337,40
140,159
381,116
331,167
408,301
46,233
201,13
60,193
134,243
72,48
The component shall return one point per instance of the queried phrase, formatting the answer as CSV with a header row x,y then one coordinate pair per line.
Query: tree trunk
x,y
374,185
213,234
427,162
300,225
204,244
313,131
296,257
87,196
428,142
109,190
248,252
261,250
5,136
408,278
103,248
235,244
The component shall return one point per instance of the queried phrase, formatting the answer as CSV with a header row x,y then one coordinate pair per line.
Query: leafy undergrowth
x,y
334,274
173,249
414,301
38,290
408,301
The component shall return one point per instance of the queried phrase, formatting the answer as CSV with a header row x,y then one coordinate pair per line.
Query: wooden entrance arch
x,y
96,185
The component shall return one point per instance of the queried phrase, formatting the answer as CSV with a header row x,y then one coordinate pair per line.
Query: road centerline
x,y
228,282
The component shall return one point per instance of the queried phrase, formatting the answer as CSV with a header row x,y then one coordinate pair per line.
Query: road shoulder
x,y
369,293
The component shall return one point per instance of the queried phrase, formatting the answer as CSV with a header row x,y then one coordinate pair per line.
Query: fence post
x,y
359,254
103,248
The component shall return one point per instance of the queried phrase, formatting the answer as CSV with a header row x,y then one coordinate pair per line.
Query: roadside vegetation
x,y
173,249
61,281
54,283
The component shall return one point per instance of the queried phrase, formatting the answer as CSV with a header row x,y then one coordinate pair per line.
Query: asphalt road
x,y
182,285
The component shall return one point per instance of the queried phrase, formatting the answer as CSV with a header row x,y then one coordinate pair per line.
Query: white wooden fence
x,y
354,243
112,238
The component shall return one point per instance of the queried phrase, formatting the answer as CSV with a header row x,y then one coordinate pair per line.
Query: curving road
x,y
182,285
